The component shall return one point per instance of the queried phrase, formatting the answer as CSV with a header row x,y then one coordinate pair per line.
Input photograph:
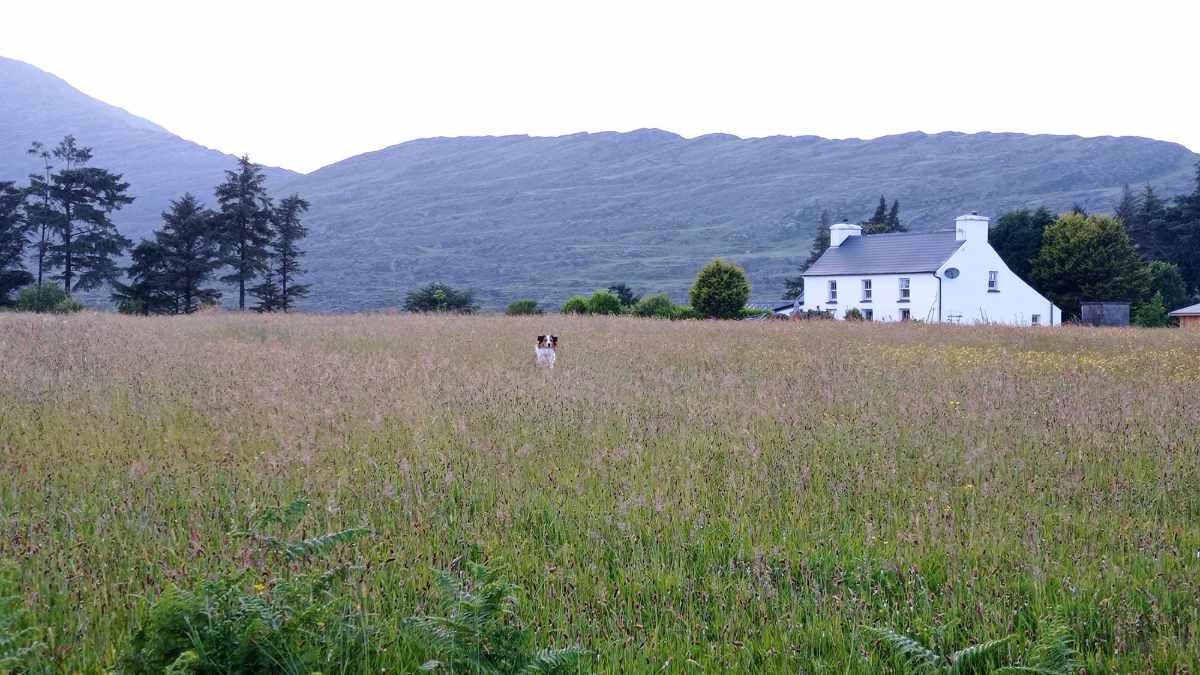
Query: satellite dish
x,y
951,272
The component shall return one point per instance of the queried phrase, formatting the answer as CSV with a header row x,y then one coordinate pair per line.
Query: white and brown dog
x,y
546,351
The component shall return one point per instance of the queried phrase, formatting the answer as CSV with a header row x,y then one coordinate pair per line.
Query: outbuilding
x,y
1189,317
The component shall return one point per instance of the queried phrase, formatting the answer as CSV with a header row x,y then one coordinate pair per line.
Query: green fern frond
x,y
978,657
318,545
917,656
553,660
1053,652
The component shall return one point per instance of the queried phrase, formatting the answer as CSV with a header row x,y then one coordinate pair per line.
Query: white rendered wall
x,y
1014,301
885,297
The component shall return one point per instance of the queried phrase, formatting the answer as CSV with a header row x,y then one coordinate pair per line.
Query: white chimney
x,y
839,232
971,227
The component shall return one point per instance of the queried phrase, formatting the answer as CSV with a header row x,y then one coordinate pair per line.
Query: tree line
x,y
61,224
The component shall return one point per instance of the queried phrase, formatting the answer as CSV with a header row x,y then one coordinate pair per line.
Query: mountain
x,y
159,166
521,216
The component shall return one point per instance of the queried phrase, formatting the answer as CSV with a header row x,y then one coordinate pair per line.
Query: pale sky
x,y
303,84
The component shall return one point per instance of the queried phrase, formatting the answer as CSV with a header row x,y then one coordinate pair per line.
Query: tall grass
x,y
678,496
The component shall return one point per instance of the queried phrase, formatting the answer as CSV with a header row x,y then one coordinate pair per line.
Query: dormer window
x,y
832,291
866,290
904,289
993,280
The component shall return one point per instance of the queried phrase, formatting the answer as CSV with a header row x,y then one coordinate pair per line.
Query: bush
x,y
680,312
813,314
1152,313
624,293
479,631
657,305
576,304
603,302
720,291
853,314
47,299
755,313
524,308
440,298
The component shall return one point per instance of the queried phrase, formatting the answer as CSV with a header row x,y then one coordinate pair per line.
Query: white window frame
x,y
868,314
905,285
993,280
832,290
866,290
905,314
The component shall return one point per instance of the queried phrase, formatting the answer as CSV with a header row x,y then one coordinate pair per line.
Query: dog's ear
x,y
554,341
541,339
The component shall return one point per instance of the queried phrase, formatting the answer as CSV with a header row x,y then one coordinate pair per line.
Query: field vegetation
x,y
675,496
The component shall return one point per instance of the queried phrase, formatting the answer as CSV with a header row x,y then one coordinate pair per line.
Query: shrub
x,y
813,314
624,293
479,631
603,302
755,313
853,314
440,298
679,312
720,291
576,304
658,305
523,308
47,299
1152,313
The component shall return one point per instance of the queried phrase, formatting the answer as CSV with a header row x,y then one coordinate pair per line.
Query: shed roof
x,y
893,253
1193,310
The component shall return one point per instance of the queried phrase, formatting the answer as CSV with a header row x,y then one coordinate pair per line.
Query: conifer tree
x,y
38,211
1184,232
14,237
81,201
149,290
286,252
268,293
1127,209
191,250
245,225
1149,229
893,219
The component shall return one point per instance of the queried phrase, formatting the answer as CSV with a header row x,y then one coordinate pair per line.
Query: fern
x,y
917,657
480,632
19,645
1053,654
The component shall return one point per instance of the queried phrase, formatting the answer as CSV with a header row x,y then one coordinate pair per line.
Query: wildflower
x,y
260,587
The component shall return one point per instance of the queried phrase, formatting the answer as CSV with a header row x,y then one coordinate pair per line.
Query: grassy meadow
x,y
674,496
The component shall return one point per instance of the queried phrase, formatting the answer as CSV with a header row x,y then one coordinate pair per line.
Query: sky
x,y
303,84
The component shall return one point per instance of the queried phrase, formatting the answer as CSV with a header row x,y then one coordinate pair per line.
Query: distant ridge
x,y
546,217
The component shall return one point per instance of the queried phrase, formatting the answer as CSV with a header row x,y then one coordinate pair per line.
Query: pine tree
x,y
149,290
1127,209
289,230
14,238
270,298
1184,233
880,217
245,225
39,213
893,219
191,250
1150,232
81,201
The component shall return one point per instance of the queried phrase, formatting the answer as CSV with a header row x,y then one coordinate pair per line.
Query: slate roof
x,y
894,253
1193,310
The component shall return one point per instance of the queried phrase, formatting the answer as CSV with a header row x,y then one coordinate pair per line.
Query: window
x,y
993,280
868,314
904,290
866,290
1035,320
832,291
905,315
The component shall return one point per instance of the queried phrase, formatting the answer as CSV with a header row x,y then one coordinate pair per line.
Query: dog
x,y
546,351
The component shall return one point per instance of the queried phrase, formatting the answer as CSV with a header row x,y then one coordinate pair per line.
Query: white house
x,y
952,276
